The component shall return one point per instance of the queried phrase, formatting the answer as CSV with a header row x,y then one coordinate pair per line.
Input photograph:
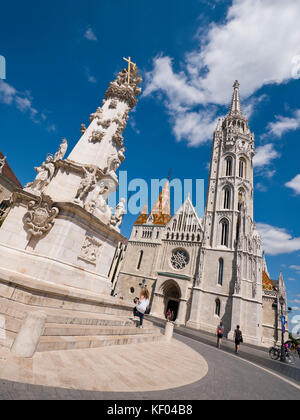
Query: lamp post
x,y
282,357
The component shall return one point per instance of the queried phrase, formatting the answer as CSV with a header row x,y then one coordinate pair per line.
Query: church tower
x,y
228,287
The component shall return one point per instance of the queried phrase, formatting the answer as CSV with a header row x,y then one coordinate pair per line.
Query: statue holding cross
x,y
131,68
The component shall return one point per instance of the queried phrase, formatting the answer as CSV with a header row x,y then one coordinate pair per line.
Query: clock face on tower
x,y
179,259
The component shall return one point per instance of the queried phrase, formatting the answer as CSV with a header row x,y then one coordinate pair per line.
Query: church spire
x,y
161,211
143,216
236,109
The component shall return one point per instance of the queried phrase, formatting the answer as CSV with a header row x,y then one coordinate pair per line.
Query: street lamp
x,y
282,358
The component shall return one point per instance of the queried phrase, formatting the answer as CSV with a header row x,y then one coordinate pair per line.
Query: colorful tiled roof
x,y
161,212
143,216
267,283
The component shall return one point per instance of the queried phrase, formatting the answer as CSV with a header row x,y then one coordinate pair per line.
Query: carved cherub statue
x,y
117,218
44,176
61,151
87,184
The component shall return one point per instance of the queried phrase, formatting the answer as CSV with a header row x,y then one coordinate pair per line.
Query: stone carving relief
x,y
97,114
40,217
90,250
113,104
97,204
96,136
124,91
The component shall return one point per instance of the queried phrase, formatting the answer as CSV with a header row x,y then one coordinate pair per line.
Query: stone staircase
x,y
65,332
72,322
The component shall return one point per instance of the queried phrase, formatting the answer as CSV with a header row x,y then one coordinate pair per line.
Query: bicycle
x,y
275,354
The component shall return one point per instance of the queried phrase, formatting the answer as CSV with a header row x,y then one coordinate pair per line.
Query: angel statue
x,y
44,176
59,155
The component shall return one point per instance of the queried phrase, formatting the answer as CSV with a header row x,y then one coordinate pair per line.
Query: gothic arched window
x,y
228,161
140,260
218,307
224,232
220,271
242,168
241,198
227,198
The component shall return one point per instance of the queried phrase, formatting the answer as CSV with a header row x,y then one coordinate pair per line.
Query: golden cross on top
x,y
130,63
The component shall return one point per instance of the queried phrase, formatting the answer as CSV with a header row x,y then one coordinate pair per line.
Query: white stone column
x,y
157,308
169,327
28,337
181,315
194,320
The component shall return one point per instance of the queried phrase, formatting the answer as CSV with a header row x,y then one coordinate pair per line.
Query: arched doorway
x,y
171,294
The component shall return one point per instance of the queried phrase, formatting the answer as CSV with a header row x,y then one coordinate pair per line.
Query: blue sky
x,y
61,57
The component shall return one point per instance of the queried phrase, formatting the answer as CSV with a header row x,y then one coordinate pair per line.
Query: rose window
x,y
179,259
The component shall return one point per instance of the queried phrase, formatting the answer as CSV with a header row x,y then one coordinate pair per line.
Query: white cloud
x,y
295,267
7,93
294,184
21,100
277,240
284,124
264,155
256,44
90,35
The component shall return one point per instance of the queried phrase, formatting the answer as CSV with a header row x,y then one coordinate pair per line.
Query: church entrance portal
x,y
171,292
173,306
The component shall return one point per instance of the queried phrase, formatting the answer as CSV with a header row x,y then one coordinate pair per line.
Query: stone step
x,y
59,329
17,310
82,342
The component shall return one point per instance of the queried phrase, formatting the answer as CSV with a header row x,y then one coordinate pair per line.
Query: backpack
x,y
220,331
238,335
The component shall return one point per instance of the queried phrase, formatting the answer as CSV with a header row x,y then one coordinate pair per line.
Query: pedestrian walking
x,y
220,333
238,338
141,306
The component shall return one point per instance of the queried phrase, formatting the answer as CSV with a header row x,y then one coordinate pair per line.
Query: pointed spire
x,y
219,125
161,212
236,108
143,216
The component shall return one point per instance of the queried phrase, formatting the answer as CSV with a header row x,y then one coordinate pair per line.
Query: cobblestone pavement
x,y
229,377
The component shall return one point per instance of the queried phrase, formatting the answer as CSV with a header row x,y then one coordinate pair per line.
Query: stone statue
x,y
2,163
113,163
117,218
60,154
83,129
44,176
87,184
97,200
